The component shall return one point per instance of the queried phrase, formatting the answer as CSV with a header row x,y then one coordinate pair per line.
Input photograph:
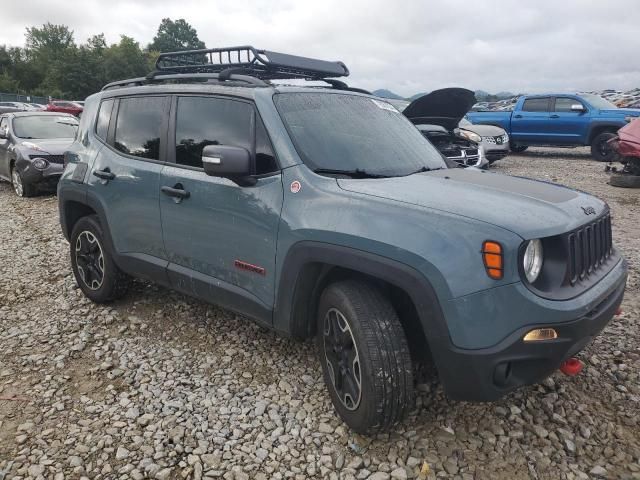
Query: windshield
x,y
41,126
598,102
344,132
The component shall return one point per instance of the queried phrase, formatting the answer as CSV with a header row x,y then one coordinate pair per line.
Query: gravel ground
x,y
162,386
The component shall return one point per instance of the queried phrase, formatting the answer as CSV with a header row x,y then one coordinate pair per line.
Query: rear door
x,y
566,126
125,178
531,123
221,240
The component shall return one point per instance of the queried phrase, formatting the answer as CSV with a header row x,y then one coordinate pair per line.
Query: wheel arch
x,y
310,266
598,128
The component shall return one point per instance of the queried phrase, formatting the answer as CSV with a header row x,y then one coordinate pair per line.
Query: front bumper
x,y
32,175
487,374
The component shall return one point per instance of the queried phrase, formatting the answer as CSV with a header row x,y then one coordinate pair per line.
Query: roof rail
x,y
262,64
157,77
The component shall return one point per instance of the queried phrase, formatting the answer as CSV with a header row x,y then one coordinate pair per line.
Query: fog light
x,y
540,334
40,163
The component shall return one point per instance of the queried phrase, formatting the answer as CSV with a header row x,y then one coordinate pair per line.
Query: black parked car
x,y
32,145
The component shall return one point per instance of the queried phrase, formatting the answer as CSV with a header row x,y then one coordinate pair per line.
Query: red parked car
x,y
627,145
64,106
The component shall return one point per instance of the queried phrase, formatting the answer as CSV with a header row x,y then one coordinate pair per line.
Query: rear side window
x,y
104,116
138,126
204,121
563,104
536,105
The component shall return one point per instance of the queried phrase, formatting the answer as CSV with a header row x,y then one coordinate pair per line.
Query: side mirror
x,y
577,107
229,162
4,134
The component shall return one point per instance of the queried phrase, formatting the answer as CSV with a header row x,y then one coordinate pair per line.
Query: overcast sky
x,y
405,46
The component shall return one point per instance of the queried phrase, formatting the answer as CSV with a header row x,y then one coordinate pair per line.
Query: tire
x,y
20,188
97,275
624,180
359,321
600,149
517,148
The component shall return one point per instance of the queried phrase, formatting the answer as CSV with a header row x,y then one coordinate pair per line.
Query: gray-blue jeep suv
x,y
323,212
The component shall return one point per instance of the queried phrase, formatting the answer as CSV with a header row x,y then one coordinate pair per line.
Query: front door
x,y
4,149
125,179
221,238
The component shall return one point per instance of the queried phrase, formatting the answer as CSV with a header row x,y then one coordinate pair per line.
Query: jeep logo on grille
x,y
589,210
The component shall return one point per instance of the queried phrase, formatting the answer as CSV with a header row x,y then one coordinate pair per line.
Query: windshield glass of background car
x,y
49,126
598,102
349,132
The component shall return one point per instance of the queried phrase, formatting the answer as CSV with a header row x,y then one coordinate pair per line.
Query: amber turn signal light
x,y
540,334
492,257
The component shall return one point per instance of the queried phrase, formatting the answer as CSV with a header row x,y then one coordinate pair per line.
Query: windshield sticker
x,y
384,105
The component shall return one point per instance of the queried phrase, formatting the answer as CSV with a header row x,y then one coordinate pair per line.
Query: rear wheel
x,y
517,148
601,149
365,356
21,188
98,276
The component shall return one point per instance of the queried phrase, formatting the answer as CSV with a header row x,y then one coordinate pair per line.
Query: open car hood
x,y
444,107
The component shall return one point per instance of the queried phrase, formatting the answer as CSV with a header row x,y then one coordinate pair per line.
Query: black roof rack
x,y
244,66
262,64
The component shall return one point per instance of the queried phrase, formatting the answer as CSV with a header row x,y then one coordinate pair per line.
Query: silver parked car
x,y
493,140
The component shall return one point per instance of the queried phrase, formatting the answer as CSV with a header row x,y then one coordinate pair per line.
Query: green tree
x,y
49,38
175,36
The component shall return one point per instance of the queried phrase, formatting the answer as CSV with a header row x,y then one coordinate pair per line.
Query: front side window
x,y
536,105
563,104
351,133
138,126
202,121
104,116
45,126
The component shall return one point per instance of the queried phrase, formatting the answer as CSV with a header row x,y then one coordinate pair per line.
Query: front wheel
x,y
601,149
98,276
365,356
21,188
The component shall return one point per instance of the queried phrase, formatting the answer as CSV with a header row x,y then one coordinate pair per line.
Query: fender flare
x,y
293,282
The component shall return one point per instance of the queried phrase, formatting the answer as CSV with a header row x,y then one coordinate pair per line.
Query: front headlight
x,y
474,137
505,138
532,260
40,163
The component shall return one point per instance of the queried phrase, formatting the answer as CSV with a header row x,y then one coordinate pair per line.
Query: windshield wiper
x,y
357,173
424,169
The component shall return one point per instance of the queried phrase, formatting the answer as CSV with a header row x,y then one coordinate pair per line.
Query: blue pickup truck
x,y
560,120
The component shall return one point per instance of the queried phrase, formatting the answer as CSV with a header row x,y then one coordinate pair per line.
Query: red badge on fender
x,y
295,186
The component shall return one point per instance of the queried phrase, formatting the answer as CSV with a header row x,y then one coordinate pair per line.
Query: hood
x,y
484,130
634,112
529,208
444,107
49,146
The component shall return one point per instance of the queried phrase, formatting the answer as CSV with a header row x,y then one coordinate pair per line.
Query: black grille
x,y
589,247
50,158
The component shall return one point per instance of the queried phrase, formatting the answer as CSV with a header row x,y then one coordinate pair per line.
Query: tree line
x,y
52,64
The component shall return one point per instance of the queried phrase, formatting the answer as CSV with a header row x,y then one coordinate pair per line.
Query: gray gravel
x,y
162,386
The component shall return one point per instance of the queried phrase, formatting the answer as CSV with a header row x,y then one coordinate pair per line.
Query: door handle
x,y
554,116
517,116
105,174
176,191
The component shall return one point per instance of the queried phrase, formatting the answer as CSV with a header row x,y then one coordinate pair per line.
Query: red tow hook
x,y
571,367
618,311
